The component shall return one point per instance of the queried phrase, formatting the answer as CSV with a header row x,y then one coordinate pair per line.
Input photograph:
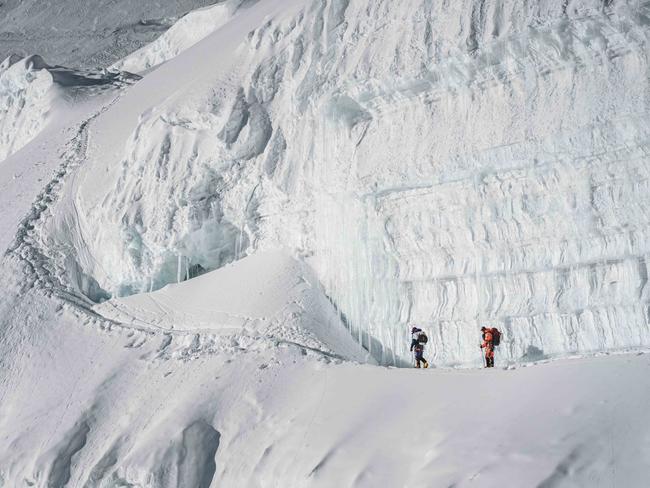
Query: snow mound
x,y
86,34
31,90
267,294
25,102
187,31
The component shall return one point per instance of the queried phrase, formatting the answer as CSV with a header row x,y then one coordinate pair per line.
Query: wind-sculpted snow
x,y
31,91
190,29
24,103
441,164
86,33
265,296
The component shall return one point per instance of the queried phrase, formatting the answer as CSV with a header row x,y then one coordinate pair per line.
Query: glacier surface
x,y
193,259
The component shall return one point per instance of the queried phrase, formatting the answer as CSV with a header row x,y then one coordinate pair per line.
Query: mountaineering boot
x,y
417,364
426,365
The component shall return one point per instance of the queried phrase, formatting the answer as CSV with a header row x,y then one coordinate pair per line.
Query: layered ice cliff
x,y
441,164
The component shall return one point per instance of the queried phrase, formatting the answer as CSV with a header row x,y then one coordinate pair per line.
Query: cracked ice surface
x,y
485,164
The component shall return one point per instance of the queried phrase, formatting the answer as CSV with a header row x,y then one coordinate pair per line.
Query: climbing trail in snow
x,y
187,300
27,246
44,262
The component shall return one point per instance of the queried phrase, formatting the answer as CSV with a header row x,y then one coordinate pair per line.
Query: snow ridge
x,y
86,34
24,102
188,30
30,91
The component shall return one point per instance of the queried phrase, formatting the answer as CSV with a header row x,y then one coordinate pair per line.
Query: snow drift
x,y
269,295
190,29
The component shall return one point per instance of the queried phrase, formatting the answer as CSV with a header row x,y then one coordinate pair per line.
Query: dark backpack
x,y
496,336
422,338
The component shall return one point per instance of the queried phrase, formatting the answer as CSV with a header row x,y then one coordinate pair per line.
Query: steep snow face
x,y
504,184
268,295
190,29
25,102
446,165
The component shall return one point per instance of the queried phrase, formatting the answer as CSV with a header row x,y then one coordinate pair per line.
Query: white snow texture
x,y
24,102
86,33
187,31
210,246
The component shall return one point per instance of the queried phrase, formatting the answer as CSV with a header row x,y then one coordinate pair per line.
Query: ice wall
x,y
504,185
445,164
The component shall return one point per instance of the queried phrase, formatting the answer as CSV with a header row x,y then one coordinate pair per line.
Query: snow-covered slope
x,y
190,29
25,102
331,171
267,295
122,407
33,93
95,402
86,33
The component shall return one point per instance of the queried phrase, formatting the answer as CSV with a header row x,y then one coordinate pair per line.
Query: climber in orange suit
x,y
488,346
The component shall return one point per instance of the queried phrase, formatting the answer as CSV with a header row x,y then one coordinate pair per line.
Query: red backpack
x,y
496,336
